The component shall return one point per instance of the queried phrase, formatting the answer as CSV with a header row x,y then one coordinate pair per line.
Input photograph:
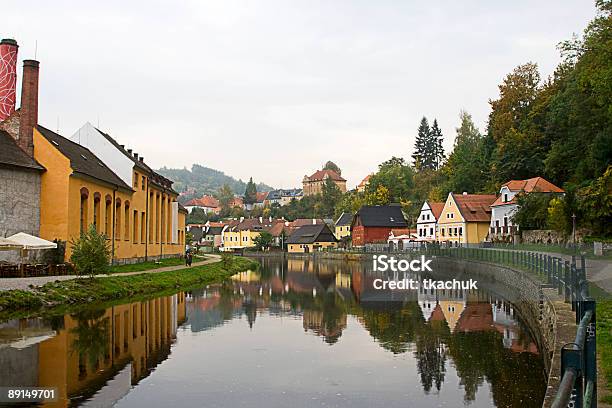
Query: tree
x,y
330,165
532,213
90,253
397,176
330,196
421,155
250,193
467,166
435,145
378,197
595,203
197,216
350,202
264,240
225,195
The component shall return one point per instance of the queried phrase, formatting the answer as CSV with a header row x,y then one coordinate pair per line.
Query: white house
x,y
428,218
504,207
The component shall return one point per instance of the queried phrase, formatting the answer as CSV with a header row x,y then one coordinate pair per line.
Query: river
x,y
296,333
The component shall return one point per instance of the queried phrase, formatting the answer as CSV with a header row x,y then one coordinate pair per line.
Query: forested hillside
x,y
205,180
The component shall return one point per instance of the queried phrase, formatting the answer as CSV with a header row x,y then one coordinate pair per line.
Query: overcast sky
x,y
274,88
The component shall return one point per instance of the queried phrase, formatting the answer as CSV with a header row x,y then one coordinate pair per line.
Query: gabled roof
x,y
382,216
475,207
204,201
214,230
261,196
396,232
12,155
364,182
532,185
309,234
322,174
436,208
82,160
344,219
535,184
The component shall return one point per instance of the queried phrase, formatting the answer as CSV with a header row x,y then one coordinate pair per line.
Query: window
x,y
505,197
96,213
142,227
144,183
108,215
135,180
126,221
135,227
431,231
118,219
83,214
460,231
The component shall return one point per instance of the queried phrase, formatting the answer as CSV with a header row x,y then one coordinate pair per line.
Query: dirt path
x,y
28,283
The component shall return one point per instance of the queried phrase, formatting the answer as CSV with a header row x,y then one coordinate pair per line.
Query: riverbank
x,y
15,303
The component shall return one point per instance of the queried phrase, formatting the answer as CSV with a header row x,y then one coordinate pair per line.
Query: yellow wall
x,y
300,248
239,239
343,231
472,232
61,209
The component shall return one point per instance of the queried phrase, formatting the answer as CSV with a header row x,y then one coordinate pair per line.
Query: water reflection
x,y
376,349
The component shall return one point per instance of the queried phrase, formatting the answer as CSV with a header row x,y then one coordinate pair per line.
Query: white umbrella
x,y
27,241
9,245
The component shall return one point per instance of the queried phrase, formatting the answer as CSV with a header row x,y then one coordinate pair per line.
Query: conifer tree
x,y
420,155
435,144
250,193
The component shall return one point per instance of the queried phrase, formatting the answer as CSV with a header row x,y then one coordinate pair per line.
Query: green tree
x,y
557,215
250,192
90,253
435,145
397,176
378,197
595,204
263,241
532,213
467,166
422,156
350,202
330,197
330,165
197,216
225,195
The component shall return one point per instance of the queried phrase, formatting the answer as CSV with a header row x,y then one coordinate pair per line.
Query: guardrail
x,y
578,386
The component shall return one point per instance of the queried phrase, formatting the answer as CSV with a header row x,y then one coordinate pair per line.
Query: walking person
x,y
189,259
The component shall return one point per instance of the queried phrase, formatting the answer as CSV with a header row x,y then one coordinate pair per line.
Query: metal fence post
x,y
590,355
566,278
559,275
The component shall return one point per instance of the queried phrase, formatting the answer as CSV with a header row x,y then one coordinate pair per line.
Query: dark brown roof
x,y
475,207
381,216
12,155
309,234
82,160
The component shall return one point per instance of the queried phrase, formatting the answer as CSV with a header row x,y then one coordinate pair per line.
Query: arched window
x,y
108,214
83,212
96,212
126,221
118,219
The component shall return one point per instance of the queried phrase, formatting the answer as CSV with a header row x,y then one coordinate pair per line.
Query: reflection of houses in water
x,y
450,303
322,325
107,350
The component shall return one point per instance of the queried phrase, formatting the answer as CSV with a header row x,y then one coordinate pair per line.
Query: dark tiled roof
x,y
345,219
214,230
381,216
82,160
323,174
309,234
12,155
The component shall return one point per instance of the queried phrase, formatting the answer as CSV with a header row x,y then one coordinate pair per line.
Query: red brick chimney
x,y
8,77
29,106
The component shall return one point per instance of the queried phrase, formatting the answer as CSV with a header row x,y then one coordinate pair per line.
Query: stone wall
x,y
19,205
551,236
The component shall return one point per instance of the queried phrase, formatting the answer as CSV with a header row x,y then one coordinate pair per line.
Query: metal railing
x,y
578,386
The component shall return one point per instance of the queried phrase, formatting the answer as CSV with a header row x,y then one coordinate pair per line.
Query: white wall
x,y
175,222
426,221
89,137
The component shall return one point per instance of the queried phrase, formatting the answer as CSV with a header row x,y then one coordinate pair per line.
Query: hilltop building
x,y
313,185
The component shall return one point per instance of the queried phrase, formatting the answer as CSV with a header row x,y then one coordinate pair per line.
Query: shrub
x,y
90,253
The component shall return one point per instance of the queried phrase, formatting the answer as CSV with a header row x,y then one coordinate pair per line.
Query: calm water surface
x,y
297,333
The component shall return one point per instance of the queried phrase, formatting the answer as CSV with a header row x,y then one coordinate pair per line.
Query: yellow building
x,y
343,226
311,238
465,219
242,234
141,220
124,341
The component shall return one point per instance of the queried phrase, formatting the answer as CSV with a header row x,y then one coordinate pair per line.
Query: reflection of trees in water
x,y
480,355
91,336
431,353
393,329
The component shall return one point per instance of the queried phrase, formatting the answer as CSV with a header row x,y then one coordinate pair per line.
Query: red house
x,y
373,223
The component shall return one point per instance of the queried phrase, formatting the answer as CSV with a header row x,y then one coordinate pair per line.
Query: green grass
x,y
604,344
145,266
17,303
